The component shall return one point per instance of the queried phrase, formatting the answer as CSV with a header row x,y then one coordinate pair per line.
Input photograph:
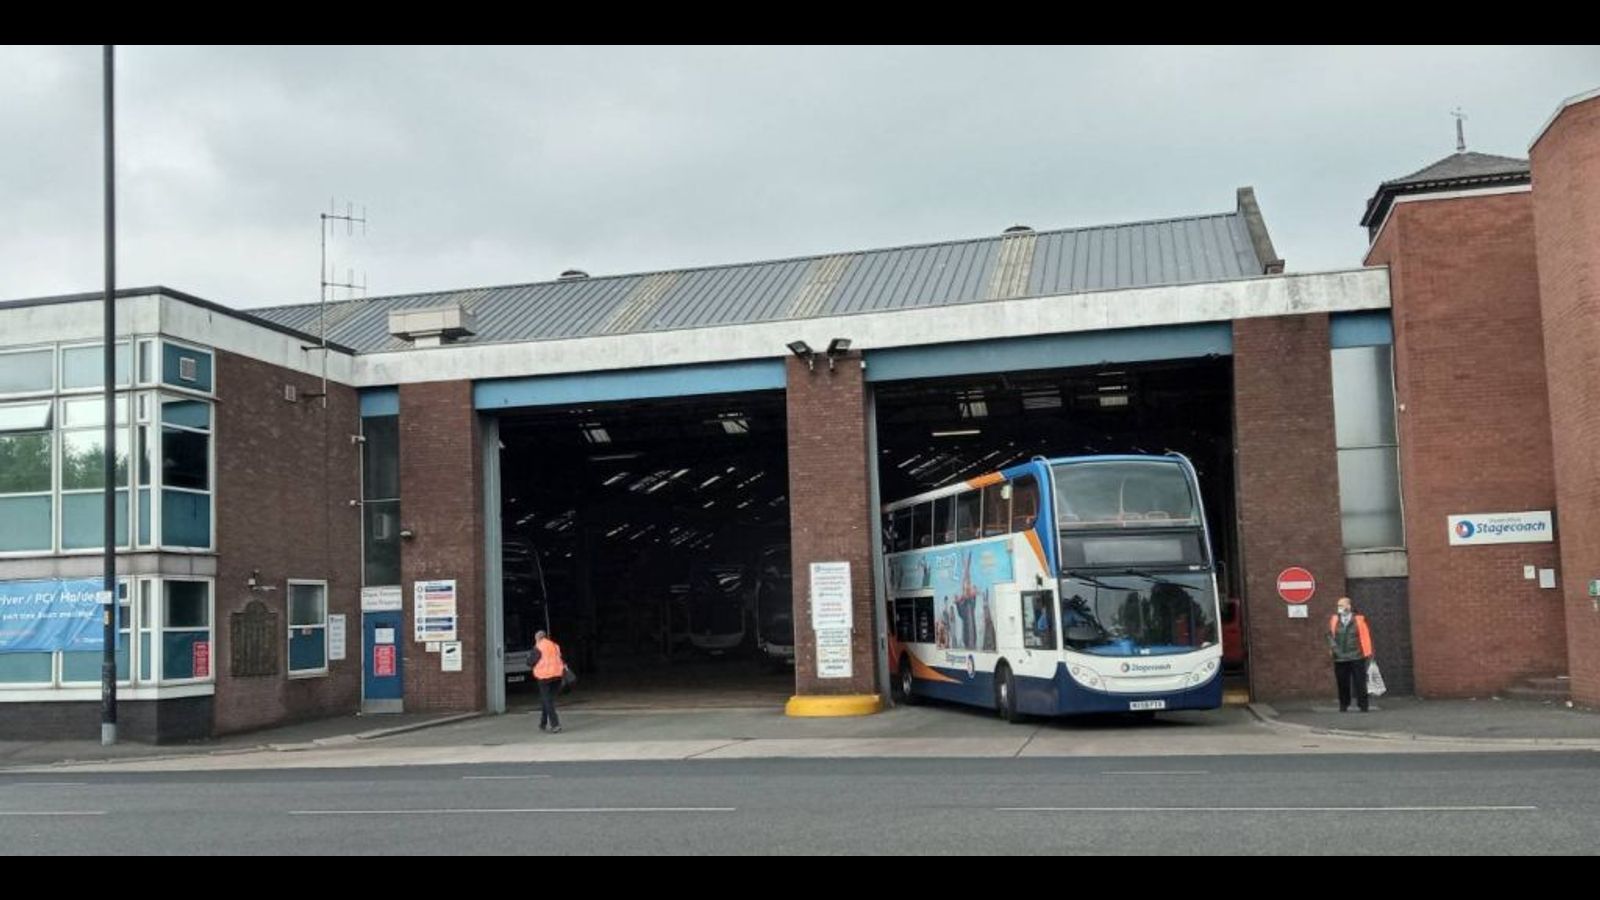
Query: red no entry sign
x,y
1295,585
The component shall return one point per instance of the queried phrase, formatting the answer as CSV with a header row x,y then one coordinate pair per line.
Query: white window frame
x,y
58,660
158,425
158,642
147,376
55,362
1400,484
121,386
127,624
57,397
180,388
59,460
288,616
52,492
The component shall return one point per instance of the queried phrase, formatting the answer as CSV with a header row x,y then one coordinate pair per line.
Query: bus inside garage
x,y
934,432
651,539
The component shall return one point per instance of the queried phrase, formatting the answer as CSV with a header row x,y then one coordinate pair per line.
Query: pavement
x,y
714,727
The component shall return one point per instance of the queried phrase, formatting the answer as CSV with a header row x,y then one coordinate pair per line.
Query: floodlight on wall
x,y
837,348
803,350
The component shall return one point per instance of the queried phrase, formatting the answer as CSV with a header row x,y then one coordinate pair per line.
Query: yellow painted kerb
x,y
834,705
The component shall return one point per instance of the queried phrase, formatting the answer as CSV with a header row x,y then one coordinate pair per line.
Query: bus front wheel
x,y
1005,693
903,682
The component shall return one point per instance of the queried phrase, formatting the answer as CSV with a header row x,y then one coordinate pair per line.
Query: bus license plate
x,y
1134,705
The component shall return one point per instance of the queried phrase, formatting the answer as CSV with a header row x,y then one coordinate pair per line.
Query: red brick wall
x,y
286,473
1474,437
829,511
1566,206
441,503
1288,483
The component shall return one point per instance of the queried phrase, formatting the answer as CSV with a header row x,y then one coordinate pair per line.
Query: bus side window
x,y
924,610
1024,503
922,526
996,510
902,530
943,528
905,628
1039,621
969,510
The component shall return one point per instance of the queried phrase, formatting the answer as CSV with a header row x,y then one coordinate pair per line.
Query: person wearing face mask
x,y
1350,643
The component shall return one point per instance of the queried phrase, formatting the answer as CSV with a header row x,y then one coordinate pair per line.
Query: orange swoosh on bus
x,y
1038,549
929,673
985,480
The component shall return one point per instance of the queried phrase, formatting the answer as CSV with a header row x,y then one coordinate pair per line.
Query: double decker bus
x,y
1057,587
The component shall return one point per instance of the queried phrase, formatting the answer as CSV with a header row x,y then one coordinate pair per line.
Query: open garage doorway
x,y
936,431
651,539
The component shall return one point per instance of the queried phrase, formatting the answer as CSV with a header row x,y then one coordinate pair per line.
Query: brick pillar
x,y
441,503
1288,484
1566,209
830,512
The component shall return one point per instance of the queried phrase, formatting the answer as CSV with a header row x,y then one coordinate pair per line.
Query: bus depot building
x,y
371,505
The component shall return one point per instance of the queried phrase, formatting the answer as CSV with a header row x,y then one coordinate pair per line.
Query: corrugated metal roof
x,y
1025,264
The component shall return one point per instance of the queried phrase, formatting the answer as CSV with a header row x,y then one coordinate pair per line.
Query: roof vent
x,y
431,326
1019,229
573,274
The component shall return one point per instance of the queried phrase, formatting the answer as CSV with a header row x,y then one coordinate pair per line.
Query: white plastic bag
x,y
1375,687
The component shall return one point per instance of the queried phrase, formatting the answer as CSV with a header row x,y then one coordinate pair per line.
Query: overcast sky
x,y
497,166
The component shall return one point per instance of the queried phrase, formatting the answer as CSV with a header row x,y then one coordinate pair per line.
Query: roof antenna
x,y
1461,134
350,220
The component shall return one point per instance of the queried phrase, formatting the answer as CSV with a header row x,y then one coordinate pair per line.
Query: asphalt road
x,y
1370,803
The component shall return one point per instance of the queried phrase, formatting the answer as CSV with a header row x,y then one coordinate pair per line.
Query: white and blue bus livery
x,y
1057,587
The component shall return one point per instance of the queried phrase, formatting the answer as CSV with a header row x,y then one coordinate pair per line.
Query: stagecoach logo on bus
x,y
1137,667
1502,528
966,661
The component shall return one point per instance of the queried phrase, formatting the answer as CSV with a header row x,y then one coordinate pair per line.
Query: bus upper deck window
x,y
969,515
996,510
1024,504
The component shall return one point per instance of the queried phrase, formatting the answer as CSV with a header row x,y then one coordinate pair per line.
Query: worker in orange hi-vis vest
x,y
548,668
1350,642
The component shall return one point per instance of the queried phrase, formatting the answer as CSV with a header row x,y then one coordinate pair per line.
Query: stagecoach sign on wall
x,y
1501,528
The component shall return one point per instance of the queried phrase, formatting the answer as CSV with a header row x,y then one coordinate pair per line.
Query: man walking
x,y
548,669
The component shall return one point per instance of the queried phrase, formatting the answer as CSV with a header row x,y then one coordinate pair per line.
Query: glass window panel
x,y
185,459
24,463
1369,498
83,459
84,367
24,523
185,519
27,372
187,605
83,520
1363,396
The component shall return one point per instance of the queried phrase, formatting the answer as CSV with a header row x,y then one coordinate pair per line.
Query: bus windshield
x,y
1137,613
1124,494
